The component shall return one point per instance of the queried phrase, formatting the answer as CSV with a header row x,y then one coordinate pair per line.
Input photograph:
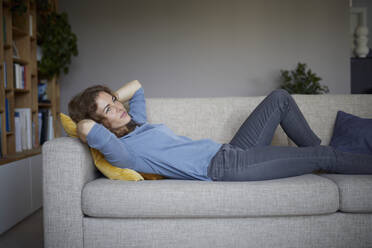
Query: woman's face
x,y
114,114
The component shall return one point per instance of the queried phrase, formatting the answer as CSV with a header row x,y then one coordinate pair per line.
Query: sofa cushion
x,y
301,195
355,192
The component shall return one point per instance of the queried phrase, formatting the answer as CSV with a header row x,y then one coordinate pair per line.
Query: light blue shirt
x,y
154,148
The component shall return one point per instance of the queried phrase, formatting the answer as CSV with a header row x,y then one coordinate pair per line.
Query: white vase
x,y
361,41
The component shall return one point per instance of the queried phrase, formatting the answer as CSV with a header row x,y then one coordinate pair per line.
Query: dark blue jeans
x,y
249,155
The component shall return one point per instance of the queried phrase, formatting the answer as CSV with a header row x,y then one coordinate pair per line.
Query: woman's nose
x,y
117,109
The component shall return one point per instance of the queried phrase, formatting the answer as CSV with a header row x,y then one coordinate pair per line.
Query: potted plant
x,y
302,81
57,41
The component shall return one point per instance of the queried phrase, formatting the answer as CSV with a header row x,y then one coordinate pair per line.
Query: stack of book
x,y
46,130
23,129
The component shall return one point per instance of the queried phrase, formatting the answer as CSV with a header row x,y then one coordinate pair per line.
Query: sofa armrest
x,y
67,167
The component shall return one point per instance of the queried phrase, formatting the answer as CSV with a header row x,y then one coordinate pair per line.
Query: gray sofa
x,y
84,209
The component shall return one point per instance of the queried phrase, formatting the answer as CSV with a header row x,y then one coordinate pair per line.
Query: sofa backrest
x,y
320,110
219,118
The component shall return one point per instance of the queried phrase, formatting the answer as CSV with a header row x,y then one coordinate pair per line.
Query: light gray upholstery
x,y
83,209
67,167
336,230
355,192
301,195
214,118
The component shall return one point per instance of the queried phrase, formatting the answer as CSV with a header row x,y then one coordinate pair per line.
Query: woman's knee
x,y
280,93
281,96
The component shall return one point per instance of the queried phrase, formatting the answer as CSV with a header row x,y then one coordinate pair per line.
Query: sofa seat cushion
x,y
355,192
301,195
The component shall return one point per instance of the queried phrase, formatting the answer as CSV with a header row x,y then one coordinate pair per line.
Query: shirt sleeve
x,y
113,149
137,107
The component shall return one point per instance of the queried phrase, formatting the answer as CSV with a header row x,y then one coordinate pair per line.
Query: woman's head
x,y
100,104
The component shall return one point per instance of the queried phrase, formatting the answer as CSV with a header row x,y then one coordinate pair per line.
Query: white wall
x,y
206,48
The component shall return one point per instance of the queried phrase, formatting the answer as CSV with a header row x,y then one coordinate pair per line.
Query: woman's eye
x,y
108,109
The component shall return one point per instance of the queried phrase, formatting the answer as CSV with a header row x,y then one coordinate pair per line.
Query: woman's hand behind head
x,y
83,128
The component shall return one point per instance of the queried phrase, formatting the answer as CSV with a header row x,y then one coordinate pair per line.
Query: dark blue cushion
x,y
352,133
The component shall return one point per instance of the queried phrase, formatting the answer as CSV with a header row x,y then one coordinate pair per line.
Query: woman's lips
x,y
123,114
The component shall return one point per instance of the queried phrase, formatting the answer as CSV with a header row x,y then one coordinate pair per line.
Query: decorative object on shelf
x,y
15,51
57,41
42,92
359,31
302,81
361,40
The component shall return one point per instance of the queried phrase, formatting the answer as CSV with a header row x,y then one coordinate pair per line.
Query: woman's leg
x,y
272,162
277,108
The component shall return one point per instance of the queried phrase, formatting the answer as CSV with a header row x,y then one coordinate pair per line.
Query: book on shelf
x,y
7,115
40,117
46,122
18,132
50,126
5,75
19,75
25,127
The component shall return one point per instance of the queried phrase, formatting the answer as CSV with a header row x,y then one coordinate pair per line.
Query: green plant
x,y
302,81
19,7
58,42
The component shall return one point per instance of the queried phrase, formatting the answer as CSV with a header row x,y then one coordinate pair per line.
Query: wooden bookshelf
x,y
21,31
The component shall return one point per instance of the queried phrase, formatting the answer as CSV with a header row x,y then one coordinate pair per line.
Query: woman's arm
x,y
126,92
113,149
100,138
83,128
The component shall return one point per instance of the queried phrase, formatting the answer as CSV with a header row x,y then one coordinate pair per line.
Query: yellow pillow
x,y
102,165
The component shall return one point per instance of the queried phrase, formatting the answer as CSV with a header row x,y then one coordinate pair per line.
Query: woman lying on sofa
x,y
127,140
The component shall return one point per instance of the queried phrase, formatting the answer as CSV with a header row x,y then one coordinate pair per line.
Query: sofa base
x,y
331,230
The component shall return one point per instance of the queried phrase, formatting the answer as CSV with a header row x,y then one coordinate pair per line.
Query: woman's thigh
x,y
270,162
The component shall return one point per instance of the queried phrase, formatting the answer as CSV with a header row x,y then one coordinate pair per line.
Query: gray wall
x,y
206,48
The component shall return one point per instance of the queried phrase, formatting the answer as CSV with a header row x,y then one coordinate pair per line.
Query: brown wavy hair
x,y
84,106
